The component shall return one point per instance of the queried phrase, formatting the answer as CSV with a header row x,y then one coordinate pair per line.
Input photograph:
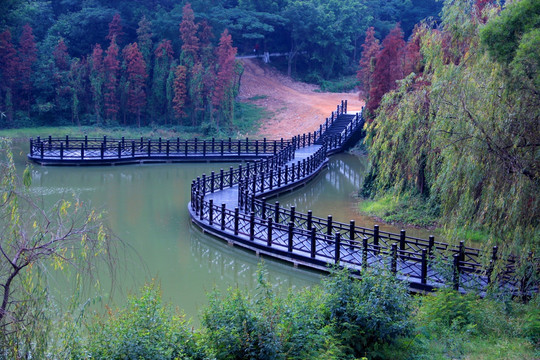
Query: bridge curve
x,y
234,206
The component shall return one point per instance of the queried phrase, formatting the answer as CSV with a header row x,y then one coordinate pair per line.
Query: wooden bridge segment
x,y
234,205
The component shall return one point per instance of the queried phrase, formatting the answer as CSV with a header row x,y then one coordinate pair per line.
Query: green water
x,y
146,206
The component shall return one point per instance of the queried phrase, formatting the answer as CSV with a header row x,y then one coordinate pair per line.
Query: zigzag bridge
x,y
233,205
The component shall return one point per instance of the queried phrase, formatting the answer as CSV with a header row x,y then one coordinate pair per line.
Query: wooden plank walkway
x,y
233,205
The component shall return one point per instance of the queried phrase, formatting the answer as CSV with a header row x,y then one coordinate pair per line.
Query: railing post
x,y
309,219
423,276
213,145
271,179
431,245
393,266
313,240
195,146
223,216
286,174
276,219
256,147
352,232
204,148
236,216
231,176
102,150
221,177
211,212
82,151
149,150
329,225
455,272
364,253
269,236
290,237
293,210
132,149
376,238
279,177
41,150
338,248
221,148
212,180
167,149
461,251
61,151
252,226
263,208
203,191
402,236
119,150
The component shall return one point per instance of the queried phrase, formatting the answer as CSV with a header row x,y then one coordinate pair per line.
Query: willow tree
x,y
464,133
34,243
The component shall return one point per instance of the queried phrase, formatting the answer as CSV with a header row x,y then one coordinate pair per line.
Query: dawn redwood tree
x,y
163,56
111,68
97,80
370,49
27,58
60,55
388,68
77,78
188,34
136,75
206,35
116,29
144,39
412,58
61,73
8,73
180,91
225,73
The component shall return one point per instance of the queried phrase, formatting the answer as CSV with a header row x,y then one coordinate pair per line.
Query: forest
x,y
109,63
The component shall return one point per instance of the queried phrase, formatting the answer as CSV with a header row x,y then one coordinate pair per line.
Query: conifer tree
x,y
97,80
27,58
144,39
136,76
225,73
163,56
180,91
61,73
116,29
188,34
388,68
8,73
370,49
60,55
111,67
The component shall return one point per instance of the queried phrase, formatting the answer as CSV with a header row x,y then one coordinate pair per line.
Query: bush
x,y
145,329
369,312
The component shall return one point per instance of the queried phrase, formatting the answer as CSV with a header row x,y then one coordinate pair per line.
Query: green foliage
x,y
368,312
144,329
340,85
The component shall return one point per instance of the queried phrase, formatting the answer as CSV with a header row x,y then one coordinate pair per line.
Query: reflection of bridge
x,y
232,205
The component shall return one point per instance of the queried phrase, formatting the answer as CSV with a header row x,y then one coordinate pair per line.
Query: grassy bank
x,y
248,117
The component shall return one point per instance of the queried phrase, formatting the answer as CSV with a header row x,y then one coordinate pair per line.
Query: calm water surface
x,y
146,207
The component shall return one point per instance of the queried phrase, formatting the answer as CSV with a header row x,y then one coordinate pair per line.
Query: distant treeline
x,y
142,62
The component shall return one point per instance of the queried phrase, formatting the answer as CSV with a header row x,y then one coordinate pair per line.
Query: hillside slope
x,y
295,107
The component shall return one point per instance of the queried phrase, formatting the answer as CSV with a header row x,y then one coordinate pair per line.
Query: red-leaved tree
x,y
27,58
136,74
412,58
8,73
370,49
188,33
180,91
97,80
60,55
116,29
225,72
388,68
111,67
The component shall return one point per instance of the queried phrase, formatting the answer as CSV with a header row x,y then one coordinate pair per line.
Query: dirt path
x,y
295,107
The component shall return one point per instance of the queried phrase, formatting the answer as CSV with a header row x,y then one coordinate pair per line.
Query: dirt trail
x,y
294,107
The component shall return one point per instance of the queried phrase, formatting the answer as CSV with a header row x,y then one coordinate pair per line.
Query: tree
x,y
188,33
61,56
225,74
388,68
144,39
163,57
61,72
180,91
8,73
111,67
97,80
32,240
27,58
370,49
115,29
136,75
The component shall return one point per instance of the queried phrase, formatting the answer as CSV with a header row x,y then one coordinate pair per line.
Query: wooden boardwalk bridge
x,y
234,205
